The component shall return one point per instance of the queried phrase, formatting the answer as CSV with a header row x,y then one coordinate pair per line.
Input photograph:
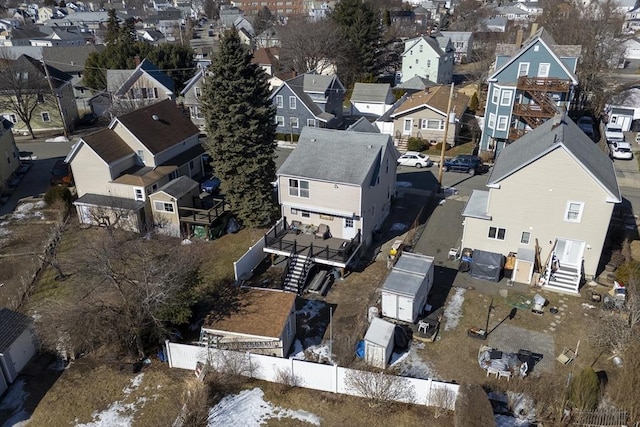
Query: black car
x,y
61,174
463,163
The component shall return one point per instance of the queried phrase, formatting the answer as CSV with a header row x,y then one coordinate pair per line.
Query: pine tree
x,y
113,28
241,131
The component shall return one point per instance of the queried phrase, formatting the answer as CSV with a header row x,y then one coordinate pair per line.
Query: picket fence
x,y
310,375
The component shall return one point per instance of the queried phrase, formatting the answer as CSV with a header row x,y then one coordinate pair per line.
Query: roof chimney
x,y
519,36
534,28
557,119
137,60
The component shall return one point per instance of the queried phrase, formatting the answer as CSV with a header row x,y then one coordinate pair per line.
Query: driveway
x,y
629,180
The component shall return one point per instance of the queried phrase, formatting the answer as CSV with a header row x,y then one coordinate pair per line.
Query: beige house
x,y
265,324
190,98
552,190
423,116
335,190
10,151
119,170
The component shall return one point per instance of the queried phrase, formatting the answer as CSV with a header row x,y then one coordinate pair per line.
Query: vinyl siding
x,y
90,173
8,150
426,134
135,145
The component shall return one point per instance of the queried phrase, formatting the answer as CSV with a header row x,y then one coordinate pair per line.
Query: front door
x,y
348,229
569,252
522,271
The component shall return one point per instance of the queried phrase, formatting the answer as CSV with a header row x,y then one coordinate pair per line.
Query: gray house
x,y
191,98
313,100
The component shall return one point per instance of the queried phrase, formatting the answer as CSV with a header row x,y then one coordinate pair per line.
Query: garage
x,y
405,291
378,343
17,344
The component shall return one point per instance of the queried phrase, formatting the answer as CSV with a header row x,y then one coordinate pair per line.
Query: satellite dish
x,y
155,117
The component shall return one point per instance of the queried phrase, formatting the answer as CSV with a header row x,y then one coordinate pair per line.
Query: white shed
x,y
405,291
378,343
17,344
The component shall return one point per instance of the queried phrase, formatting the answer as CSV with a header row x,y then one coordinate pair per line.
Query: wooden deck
x,y
205,217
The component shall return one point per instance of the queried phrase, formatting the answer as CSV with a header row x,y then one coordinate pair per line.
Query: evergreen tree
x,y
113,28
241,126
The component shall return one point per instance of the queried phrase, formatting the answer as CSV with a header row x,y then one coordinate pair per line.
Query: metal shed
x,y
378,343
17,344
405,291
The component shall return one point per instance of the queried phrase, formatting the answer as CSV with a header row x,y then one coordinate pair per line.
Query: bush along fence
x,y
299,373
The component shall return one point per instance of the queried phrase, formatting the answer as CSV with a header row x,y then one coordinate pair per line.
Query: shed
x,y
487,265
405,291
523,270
17,344
378,342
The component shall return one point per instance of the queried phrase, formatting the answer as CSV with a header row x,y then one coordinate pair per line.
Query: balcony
x,y
543,84
206,217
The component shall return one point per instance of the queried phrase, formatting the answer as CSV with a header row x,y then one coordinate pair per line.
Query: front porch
x,y
283,240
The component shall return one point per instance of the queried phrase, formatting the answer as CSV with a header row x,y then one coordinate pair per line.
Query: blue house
x,y
530,83
313,100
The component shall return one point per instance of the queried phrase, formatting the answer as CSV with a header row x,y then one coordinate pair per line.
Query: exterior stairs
x,y
566,279
296,274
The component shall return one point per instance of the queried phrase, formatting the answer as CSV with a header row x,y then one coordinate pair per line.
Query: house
x,y
335,190
19,36
144,85
312,100
631,49
551,190
140,171
512,13
363,125
264,324
17,344
268,38
379,342
317,10
268,58
406,288
191,98
28,77
150,35
8,147
415,84
430,57
59,37
496,24
620,118
530,83
371,99
462,42
423,115
631,21
627,100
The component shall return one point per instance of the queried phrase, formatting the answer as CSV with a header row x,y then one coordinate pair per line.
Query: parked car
x,y
586,124
27,155
621,150
210,185
463,163
61,174
413,158
88,119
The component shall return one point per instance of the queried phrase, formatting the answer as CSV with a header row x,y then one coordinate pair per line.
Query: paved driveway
x,y
629,180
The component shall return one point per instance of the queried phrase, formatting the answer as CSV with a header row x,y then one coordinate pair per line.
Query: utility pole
x,y
444,142
58,103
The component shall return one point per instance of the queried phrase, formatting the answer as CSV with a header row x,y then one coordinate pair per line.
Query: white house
x,y
17,344
431,57
406,288
462,42
371,99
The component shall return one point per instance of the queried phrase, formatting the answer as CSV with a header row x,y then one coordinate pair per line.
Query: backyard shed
x,y
17,344
405,291
378,342
487,265
523,271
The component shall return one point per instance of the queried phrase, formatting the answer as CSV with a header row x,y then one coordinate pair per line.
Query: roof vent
x,y
558,119
155,117
369,146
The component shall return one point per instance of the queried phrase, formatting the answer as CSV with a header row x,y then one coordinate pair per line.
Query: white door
x,y
349,228
408,127
569,252
405,309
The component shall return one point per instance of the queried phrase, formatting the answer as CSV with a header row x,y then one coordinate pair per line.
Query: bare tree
x,y
468,15
443,400
379,388
287,380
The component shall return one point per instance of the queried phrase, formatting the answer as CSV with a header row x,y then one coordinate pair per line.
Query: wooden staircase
x,y
296,273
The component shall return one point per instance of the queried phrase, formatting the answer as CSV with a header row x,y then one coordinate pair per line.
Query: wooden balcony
x,y
533,110
543,84
515,133
206,217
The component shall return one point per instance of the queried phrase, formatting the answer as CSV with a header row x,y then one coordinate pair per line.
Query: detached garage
x,y
378,343
405,291
17,344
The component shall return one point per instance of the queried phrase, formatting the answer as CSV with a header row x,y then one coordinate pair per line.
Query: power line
x,y
105,69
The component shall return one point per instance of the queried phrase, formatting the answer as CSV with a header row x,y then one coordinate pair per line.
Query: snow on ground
x,y
398,226
248,409
507,421
29,210
453,310
410,364
311,344
311,309
13,401
404,184
119,414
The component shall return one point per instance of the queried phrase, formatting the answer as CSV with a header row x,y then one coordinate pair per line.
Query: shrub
x,y
617,258
437,147
473,407
58,193
416,144
627,271
486,156
584,391
474,102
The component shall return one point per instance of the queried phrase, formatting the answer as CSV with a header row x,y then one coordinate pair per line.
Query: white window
x,y
348,223
428,63
573,213
506,97
492,121
408,124
495,96
197,91
299,188
543,69
164,207
279,101
523,69
196,113
525,237
11,117
311,123
292,102
46,117
305,214
141,155
431,124
497,233
502,123
139,194
293,121
280,120
421,48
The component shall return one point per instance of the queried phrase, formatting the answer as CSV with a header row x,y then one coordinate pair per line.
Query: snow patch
x,y
248,409
13,402
410,364
507,421
311,309
404,184
28,210
453,310
398,226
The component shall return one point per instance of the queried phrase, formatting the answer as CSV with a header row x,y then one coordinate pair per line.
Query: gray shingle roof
x,y
416,83
363,125
109,201
69,58
12,325
370,92
335,156
179,186
476,206
548,137
304,83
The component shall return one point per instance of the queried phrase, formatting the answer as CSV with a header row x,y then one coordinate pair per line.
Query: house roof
x,y
380,332
13,325
108,145
457,35
622,111
69,58
119,81
437,98
311,83
416,83
477,204
179,187
363,125
408,274
192,81
110,201
438,46
548,137
265,55
371,92
263,313
170,128
143,175
26,63
335,156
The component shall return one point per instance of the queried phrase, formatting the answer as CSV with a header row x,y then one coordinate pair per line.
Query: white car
x,y
621,150
413,158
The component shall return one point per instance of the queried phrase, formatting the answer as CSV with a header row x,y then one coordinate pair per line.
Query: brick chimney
x,y
137,60
519,36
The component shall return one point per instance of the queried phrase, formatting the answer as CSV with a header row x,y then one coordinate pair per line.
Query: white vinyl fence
x,y
311,375
243,267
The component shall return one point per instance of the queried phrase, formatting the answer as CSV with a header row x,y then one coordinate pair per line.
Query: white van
x,y
614,135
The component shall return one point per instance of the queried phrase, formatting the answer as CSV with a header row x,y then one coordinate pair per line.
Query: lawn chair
x,y
566,356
